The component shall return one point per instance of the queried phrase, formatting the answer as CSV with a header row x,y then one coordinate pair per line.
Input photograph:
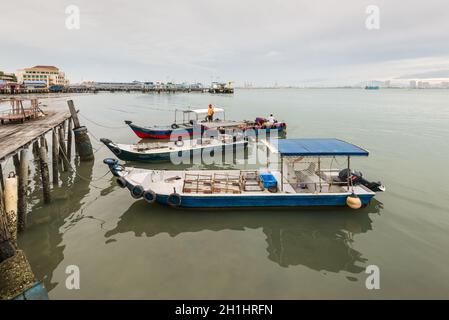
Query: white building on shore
x,y
48,74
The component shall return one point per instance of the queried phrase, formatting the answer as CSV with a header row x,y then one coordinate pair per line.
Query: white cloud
x,y
258,41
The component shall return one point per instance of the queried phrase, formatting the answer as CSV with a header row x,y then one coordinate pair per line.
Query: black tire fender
x,y
110,161
121,182
137,191
149,196
174,199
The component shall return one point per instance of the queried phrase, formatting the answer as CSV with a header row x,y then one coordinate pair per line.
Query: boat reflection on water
x,y
316,238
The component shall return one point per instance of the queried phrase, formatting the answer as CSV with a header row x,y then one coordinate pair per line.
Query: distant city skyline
x,y
292,43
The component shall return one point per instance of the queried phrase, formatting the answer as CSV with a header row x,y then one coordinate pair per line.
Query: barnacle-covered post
x,y
22,187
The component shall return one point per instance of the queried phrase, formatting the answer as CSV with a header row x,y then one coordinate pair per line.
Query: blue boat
x,y
56,88
303,179
165,151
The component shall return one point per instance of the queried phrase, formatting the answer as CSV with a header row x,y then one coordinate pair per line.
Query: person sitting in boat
x,y
210,113
271,119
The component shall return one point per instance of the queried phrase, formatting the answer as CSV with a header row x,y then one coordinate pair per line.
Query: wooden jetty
x,y
14,137
17,280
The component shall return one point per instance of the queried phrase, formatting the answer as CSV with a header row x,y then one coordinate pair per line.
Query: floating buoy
x,y
353,201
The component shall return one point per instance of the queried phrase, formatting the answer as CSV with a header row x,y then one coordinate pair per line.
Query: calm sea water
x,y
128,249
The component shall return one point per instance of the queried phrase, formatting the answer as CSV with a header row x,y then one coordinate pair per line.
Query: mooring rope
x,y
98,141
84,178
101,125
98,149
178,107
124,126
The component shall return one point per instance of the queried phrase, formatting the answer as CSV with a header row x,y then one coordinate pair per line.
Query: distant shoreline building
x,y
423,85
7,77
48,74
8,82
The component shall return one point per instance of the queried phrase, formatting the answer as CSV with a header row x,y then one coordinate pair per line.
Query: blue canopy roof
x,y
318,147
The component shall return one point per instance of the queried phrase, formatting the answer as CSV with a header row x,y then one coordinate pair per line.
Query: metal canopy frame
x,y
273,149
187,112
348,181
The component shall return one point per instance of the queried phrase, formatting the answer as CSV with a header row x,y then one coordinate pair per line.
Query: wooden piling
x,y
2,187
62,149
7,249
16,162
36,148
43,142
55,156
16,277
76,121
82,140
44,174
22,183
11,206
69,139
2,181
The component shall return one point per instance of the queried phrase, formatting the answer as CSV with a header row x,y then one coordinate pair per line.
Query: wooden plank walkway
x,y
13,137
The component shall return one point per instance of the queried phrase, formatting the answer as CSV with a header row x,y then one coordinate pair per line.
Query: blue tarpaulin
x,y
318,147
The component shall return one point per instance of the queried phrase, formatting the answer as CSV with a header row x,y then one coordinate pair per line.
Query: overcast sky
x,y
291,42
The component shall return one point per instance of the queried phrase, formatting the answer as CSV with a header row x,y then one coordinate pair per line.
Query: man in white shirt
x,y
271,119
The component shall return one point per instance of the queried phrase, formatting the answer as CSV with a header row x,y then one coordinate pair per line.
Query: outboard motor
x,y
357,178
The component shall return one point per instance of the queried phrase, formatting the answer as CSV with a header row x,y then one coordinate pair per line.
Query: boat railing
x,y
316,181
319,187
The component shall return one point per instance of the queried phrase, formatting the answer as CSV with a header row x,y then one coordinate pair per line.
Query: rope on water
x,y
102,145
97,140
101,125
124,126
98,149
157,109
